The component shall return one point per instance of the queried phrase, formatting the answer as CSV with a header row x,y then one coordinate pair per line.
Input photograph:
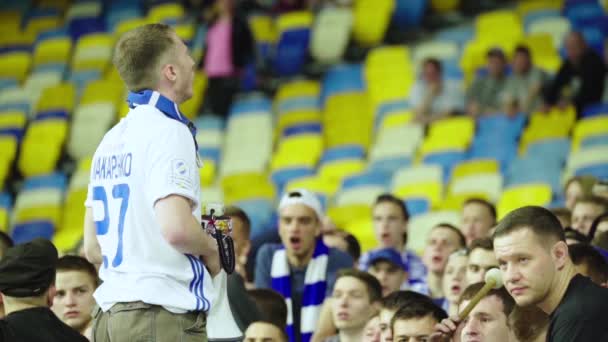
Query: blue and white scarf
x,y
315,286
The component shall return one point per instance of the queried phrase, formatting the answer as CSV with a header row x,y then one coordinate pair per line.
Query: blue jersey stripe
x,y
194,278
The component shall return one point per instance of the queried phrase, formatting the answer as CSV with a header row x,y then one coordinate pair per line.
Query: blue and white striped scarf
x,y
315,286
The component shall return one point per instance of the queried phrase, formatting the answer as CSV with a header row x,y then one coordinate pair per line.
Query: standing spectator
x,y
75,282
585,211
229,47
478,218
580,79
390,217
481,259
27,272
355,301
433,98
454,280
444,239
523,89
302,268
577,187
484,95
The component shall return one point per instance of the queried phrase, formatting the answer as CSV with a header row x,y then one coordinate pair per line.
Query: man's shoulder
x,y
267,250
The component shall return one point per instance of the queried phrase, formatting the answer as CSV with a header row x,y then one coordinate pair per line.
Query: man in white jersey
x,y
142,223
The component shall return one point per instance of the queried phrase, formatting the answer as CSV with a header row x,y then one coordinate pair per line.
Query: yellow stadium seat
x,y
363,230
128,25
493,25
124,110
240,187
543,51
297,89
191,107
93,52
343,216
396,119
263,29
10,119
456,201
50,212
555,124
84,164
442,6
185,32
304,149
432,191
11,20
112,75
449,134
160,13
389,74
347,120
525,7
586,128
66,239
523,195
297,117
56,50
42,146
62,96
70,232
336,171
473,167
3,220
315,184
15,65
371,20
101,91
8,148
37,25
208,172
294,20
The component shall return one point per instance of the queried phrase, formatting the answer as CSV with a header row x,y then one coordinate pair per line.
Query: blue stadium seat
x,y
580,11
534,170
389,107
595,140
390,165
342,152
300,103
8,83
291,52
539,15
551,151
459,35
82,78
54,180
210,153
5,200
379,178
446,160
82,26
302,129
260,214
417,206
250,105
209,122
595,110
28,231
52,114
409,13
498,126
60,68
600,171
52,34
117,15
502,150
283,176
342,78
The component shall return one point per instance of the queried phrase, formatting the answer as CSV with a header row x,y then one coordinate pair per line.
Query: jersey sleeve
x,y
172,167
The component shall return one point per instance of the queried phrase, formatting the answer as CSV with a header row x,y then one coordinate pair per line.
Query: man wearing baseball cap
x,y
27,276
302,268
388,267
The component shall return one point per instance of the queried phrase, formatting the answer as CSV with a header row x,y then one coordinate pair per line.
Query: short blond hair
x,y
139,52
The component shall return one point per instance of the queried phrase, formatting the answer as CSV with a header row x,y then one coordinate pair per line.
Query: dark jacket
x,y
37,325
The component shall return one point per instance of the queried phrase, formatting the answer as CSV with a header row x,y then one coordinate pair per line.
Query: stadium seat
x,y
28,231
56,181
342,78
487,184
542,126
84,10
336,171
341,153
330,34
15,65
55,50
445,159
525,7
595,110
89,125
365,195
12,123
534,170
296,117
321,187
362,230
292,46
553,152
389,165
449,134
59,97
400,141
420,226
539,14
557,27
440,49
431,191
117,15
347,121
417,206
129,24
166,12
543,51
523,195
585,158
594,140
589,127
8,145
281,177
102,91
370,177
409,13
475,167
247,186
417,174
304,149
48,136
92,52
5,207
16,98
346,215
372,18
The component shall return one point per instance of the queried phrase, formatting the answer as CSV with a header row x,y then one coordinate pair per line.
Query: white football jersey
x,y
147,156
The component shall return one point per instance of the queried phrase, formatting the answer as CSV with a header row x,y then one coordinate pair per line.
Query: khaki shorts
x,y
141,322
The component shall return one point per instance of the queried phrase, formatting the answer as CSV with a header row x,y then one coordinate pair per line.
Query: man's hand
x,y
445,330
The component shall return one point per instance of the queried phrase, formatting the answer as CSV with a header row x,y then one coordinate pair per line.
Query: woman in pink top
x,y
229,48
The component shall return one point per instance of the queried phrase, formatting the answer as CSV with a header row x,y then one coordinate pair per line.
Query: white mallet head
x,y
494,276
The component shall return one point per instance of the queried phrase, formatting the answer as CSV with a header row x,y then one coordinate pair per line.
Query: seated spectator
x,y
484,95
585,211
27,272
577,187
580,79
488,321
529,323
599,225
481,259
416,322
523,89
454,280
371,332
264,332
388,267
574,236
563,215
241,229
354,303
302,268
390,218
346,242
433,98
391,304
478,218
271,305
75,282
589,262
444,239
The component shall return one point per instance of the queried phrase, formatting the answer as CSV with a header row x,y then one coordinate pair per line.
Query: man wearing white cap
x,y
302,268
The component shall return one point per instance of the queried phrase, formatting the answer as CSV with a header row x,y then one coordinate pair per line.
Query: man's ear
x,y
560,255
169,72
